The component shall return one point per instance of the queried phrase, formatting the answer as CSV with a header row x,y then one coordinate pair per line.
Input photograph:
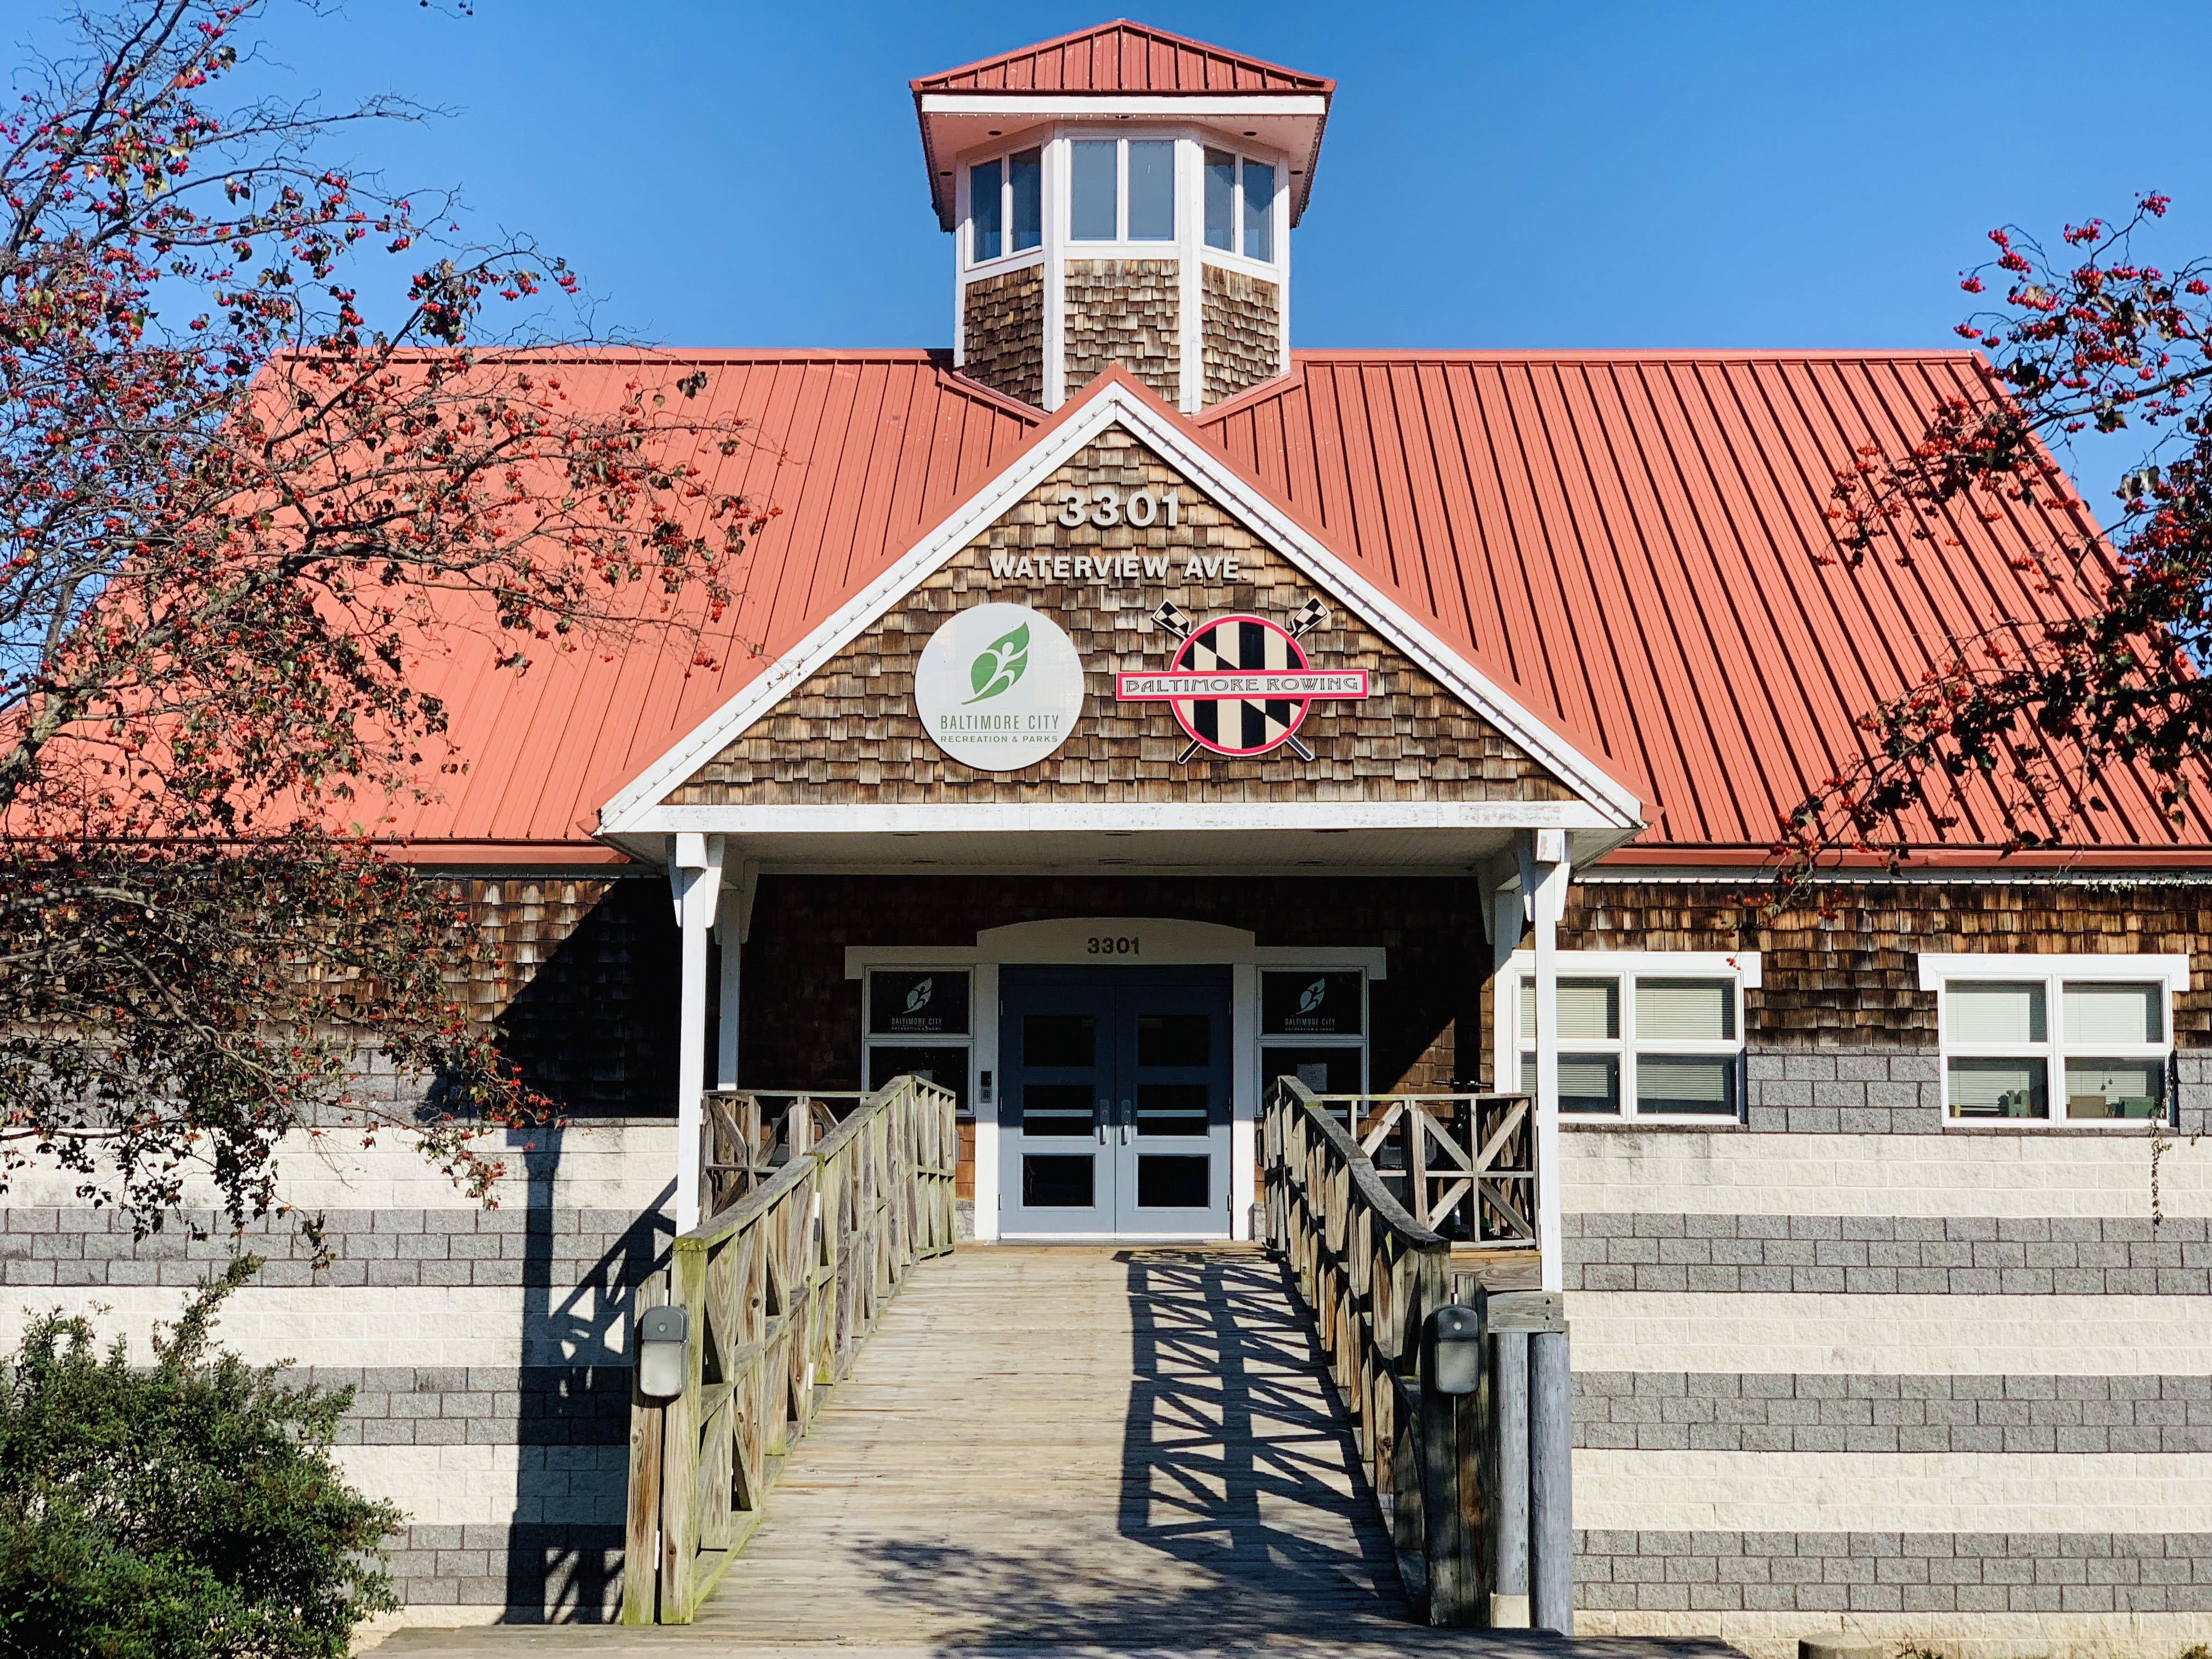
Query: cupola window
x,y
1006,204
1240,205
1122,190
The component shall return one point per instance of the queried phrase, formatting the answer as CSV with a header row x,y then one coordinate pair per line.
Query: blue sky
x,y
1495,174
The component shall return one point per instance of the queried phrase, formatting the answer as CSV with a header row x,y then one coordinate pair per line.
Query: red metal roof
x,y
1635,537
1626,542
863,451
1122,56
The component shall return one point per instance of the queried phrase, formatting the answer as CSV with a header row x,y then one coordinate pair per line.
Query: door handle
x,y
1105,1109
1125,1115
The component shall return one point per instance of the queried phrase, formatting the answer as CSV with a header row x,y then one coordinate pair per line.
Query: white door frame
x,y
1126,942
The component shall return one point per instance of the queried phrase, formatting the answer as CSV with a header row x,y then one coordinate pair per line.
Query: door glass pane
x,y
1055,1109
909,1004
1090,191
1025,170
1588,1009
1174,1040
1999,1088
1589,1083
1701,1084
2115,1088
2115,1013
1309,1005
1060,1040
1057,1183
1221,200
1686,1010
1174,1184
983,208
1982,1010
1172,1109
947,1066
1259,210
1151,190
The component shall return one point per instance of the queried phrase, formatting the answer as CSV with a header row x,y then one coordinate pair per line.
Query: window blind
x,y
1987,1010
1589,1010
1686,1010
1699,1083
2115,1013
1588,1082
1999,1088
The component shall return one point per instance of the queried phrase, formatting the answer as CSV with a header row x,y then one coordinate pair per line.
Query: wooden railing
x,y
1373,1273
746,1135
1462,1164
781,1286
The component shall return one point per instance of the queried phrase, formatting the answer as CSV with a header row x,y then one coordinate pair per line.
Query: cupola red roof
x,y
1160,73
1123,57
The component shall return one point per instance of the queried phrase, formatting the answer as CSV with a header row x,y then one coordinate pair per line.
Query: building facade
x,y
1128,709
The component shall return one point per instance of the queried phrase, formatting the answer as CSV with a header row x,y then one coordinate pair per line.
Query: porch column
x,y
1544,873
694,876
733,925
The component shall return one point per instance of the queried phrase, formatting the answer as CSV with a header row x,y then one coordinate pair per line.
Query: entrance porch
x,y
1108,1030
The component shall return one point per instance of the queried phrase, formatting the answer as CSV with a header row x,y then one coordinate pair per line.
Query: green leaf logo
x,y
998,667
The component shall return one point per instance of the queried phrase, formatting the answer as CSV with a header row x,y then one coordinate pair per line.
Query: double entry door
x,y
1114,1113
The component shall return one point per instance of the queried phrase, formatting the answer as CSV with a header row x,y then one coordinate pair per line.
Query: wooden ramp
x,y
1061,1449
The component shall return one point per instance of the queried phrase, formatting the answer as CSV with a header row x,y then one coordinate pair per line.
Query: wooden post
x,y
1509,1602
1451,1496
641,1525
1551,1458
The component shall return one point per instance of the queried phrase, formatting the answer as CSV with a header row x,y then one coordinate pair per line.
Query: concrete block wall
x,y
1837,1369
489,1349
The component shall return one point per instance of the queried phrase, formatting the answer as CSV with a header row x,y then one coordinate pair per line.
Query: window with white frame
x,y
1240,205
2051,1039
1122,190
1313,1026
1005,205
916,1022
1642,1034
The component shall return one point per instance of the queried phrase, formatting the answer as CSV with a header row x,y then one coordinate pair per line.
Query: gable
x,y
849,732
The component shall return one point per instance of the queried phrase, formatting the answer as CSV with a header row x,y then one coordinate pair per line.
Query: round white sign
x,y
999,687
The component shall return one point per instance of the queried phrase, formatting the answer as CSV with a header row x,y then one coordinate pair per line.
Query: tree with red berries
x,y
2087,339
233,514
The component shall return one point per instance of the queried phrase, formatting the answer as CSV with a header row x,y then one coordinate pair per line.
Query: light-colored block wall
x,y
1949,1388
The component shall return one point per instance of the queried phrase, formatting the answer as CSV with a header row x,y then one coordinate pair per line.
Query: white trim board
x,y
1614,806
1032,817
1113,104
1170,943
1935,967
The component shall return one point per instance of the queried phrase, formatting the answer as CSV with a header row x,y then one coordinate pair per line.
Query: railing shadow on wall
x,y
779,1288
1467,1453
564,1543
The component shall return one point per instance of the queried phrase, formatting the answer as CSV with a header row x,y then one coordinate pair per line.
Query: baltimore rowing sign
x,y
1241,685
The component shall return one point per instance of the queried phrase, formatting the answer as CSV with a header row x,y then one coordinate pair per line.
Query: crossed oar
x,y
1311,614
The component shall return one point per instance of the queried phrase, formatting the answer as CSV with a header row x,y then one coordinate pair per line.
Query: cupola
x,y
1122,196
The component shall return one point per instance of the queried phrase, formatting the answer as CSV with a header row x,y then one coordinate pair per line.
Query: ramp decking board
x,y
1058,1449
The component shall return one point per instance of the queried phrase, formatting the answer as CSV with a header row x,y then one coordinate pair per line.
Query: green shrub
x,y
187,1510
